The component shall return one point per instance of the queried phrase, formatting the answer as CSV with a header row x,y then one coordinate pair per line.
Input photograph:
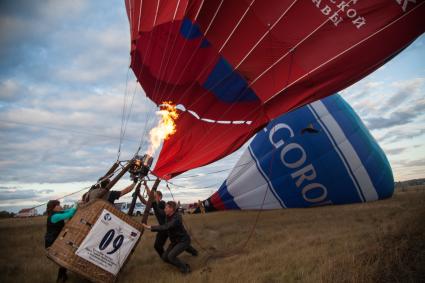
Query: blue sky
x,y
63,72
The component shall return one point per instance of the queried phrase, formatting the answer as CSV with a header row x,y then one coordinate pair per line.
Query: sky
x,y
63,73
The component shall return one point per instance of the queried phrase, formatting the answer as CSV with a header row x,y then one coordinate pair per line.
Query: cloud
x,y
11,90
27,25
395,151
64,42
71,61
395,119
404,114
405,90
21,194
412,163
387,105
63,78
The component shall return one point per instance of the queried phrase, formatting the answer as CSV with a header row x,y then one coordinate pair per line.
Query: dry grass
x,y
375,242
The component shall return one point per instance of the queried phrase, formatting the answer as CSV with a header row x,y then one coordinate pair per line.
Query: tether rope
x,y
83,189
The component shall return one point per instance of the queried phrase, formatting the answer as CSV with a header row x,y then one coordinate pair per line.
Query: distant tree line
x,y
6,214
409,183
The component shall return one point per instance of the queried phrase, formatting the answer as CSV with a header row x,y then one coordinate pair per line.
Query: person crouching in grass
x,y
179,238
56,217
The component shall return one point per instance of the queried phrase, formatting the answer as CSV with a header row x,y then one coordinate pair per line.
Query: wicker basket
x,y
72,235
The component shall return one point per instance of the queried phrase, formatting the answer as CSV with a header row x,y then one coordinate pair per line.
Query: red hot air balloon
x,y
235,65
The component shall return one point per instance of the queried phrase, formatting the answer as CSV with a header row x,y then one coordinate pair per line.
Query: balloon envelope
x,y
235,65
317,155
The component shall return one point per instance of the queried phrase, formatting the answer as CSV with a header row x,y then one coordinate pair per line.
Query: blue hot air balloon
x,y
319,154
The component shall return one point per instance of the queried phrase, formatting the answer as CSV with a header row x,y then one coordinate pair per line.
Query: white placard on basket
x,y
109,242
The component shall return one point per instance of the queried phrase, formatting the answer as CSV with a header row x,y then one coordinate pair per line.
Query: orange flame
x,y
165,128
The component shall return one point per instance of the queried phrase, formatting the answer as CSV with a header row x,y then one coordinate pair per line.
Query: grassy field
x,y
382,241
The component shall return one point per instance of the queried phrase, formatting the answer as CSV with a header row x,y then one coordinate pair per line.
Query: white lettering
x,y
277,128
299,162
405,2
334,8
302,175
327,10
305,173
351,13
343,5
313,186
336,19
360,21
317,2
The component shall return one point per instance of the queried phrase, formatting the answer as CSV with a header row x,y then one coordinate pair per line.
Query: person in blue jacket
x,y
56,217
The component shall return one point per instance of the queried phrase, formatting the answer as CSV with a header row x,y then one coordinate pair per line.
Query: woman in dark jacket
x,y
56,217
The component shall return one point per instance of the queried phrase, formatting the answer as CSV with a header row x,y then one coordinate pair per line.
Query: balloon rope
x,y
143,141
238,250
144,57
150,113
123,113
160,74
207,66
83,189
182,71
248,86
258,107
348,49
213,172
140,15
167,50
291,50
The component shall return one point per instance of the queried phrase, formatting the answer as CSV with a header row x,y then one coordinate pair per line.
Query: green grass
x,y
382,241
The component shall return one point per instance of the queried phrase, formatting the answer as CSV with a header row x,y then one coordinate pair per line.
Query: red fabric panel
x,y
298,61
225,21
171,58
352,66
145,15
196,141
217,201
324,74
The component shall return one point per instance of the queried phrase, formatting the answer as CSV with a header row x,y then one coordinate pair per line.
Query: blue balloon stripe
x,y
366,147
266,178
344,160
316,155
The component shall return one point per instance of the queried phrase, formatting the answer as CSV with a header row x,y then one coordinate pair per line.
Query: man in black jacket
x,y
179,238
158,208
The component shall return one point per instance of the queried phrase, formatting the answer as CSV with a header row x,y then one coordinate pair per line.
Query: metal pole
x,y
133,201
115,180
150,200
111,170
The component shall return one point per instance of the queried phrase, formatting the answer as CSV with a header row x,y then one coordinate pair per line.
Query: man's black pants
x,y
161,238
173,250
